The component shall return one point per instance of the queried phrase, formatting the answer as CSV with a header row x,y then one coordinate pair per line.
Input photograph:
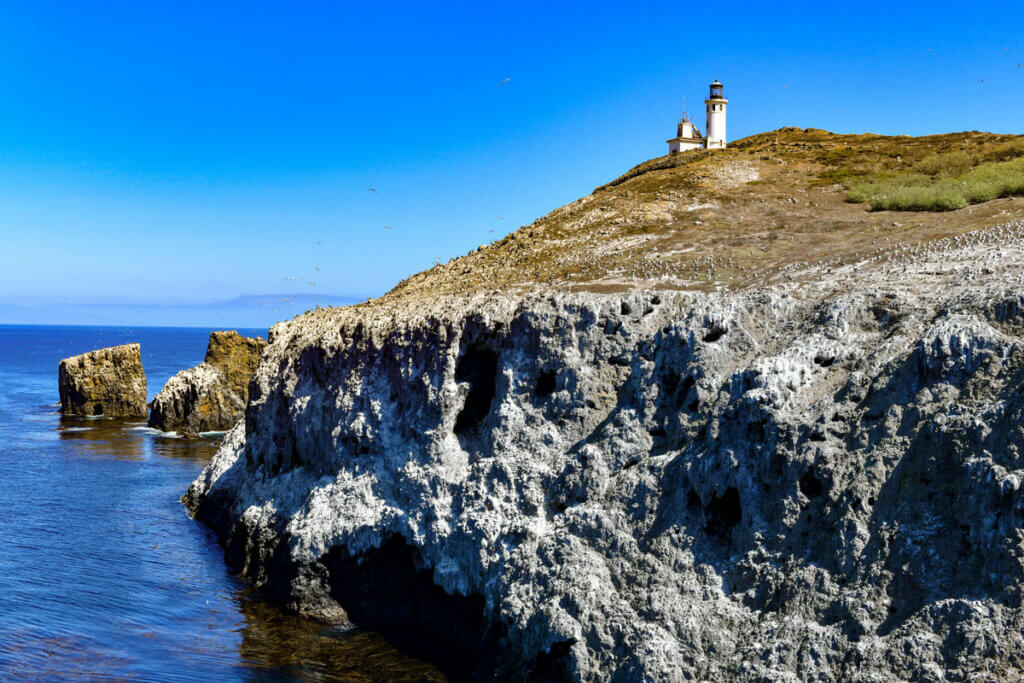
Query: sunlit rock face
x,y
108,382
814,482
237,357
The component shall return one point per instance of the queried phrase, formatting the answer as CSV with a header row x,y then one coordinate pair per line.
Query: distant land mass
x,y
247,310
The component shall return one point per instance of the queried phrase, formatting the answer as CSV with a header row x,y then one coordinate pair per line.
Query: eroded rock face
x,y
235,356
813,482
194,401
211,396
109,382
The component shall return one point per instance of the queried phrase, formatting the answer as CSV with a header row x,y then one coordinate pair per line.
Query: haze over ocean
x,y
195,152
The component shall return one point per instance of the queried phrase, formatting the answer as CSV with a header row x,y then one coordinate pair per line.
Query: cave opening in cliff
x,y
545,384
478,367
810,485
715,333
723,513
384,590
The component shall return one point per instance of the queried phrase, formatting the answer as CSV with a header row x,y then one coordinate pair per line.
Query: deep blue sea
x,y
102,574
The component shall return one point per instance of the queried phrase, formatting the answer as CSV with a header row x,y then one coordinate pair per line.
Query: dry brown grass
x,y
747,215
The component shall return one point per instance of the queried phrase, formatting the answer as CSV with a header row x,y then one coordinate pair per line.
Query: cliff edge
x,y
817,477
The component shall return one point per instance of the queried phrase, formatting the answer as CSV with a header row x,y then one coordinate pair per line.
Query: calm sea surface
x,y
102,574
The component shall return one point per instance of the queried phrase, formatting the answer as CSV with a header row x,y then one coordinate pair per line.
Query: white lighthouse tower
x,y
715,104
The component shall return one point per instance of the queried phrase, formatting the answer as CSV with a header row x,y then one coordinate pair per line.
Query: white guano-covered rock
x,y
813,482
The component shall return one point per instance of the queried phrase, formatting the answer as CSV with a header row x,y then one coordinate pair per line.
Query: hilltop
x,y
805,463
772,206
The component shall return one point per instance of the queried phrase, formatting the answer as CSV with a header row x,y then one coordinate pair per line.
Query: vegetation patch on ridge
x,y
944,181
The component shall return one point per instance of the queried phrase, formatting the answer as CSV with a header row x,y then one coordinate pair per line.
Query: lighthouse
x,y
688,137
715,104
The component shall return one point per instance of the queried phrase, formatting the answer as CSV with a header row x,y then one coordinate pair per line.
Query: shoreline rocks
x,y
109,382
211,396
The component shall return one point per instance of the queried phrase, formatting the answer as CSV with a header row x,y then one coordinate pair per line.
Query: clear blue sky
x,y
189,151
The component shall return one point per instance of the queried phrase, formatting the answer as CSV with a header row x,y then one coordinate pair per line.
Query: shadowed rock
x,y
109,382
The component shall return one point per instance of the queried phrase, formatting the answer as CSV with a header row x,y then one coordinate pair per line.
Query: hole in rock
x,y
679,388
810,485
684,391
545,384
384,590
823,360
97,409
553,665
715,333
723,513
756,431
625,308
478,367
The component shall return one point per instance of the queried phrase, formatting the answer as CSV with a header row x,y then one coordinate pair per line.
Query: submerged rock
x,y
235,356
817,481
108,382
211,396
194,401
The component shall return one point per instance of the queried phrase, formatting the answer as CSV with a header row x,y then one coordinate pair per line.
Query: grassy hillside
x,y
760,211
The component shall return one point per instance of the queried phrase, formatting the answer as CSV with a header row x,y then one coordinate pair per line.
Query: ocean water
x,y
102,574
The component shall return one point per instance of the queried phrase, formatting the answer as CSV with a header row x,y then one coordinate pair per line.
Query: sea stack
x,y
108,382
235,356
211,396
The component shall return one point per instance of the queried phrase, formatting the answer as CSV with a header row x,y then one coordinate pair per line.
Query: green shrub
x,y
926,191
1007,150
946,165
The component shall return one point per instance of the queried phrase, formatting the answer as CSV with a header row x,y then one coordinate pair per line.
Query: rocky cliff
x,y
109,382
211,396
818,479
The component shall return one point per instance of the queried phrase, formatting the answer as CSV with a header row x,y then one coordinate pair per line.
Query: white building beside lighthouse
x,y
688,137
